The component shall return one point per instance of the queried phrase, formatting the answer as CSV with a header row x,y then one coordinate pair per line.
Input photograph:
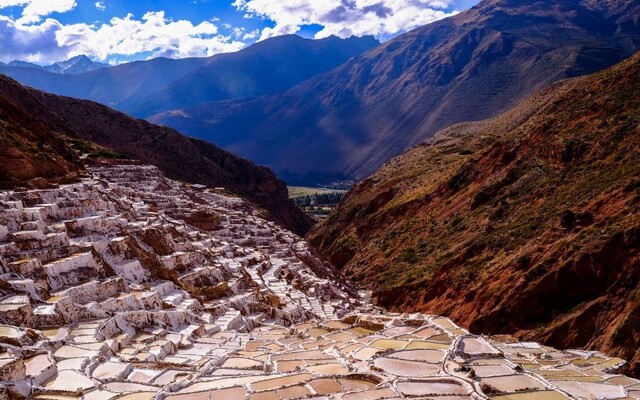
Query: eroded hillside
x,y
528,223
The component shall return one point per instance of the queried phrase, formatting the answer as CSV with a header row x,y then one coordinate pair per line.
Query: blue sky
x,y
46,31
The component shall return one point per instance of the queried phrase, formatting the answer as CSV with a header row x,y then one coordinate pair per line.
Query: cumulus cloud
x,y
344,18
50,41
100,5
35,10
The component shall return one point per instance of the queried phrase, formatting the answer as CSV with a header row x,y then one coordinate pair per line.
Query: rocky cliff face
x,y
528,223
178,156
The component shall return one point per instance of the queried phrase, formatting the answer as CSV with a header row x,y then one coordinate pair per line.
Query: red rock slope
x,y
528,223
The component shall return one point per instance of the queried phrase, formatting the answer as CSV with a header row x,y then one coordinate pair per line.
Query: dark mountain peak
x,y
74,65
23,64
267,67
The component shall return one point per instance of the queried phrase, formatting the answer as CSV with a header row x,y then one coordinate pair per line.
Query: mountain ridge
x,y
468,67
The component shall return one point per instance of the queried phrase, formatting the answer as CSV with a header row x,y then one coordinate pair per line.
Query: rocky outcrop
x,y
524,224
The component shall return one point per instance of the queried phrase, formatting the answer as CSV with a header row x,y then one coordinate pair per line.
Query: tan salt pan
x,y
328,369
406,368
223,394
325,386
541,395
241,363
138,396
429,356
69,381
389,344
366,353
371,395
513,383
279,382
417,388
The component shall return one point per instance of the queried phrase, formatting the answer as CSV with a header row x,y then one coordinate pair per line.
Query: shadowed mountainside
x,y
469,67
268,67
528,223
53,121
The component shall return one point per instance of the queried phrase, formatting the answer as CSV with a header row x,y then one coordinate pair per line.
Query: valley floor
x,y
131,286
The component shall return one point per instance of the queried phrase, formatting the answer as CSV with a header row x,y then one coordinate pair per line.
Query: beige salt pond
x,y
328,369
138,396
389,344
444,323
222,383
10,332
340,337
484,371
591,390
325,386
143,375
37,364
317,332
513,383
335,324
270,384
294,392
430,388
405,368
55,334
221,372
289,366
355,384
110,370
384,393
125,387
241,363
76,364
366,353
473,346
423,344
424,355
235,393
539,395
359,331
69,381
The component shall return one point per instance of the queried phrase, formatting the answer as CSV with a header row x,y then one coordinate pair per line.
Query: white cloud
x,y
35,10
50,41
344,18
100,5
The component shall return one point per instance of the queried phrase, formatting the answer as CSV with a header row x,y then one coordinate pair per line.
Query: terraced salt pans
x,y
110,294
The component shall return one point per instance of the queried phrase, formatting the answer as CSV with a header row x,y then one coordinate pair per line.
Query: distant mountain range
x,y
74,65
43,136
524,224
161,84
352,119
